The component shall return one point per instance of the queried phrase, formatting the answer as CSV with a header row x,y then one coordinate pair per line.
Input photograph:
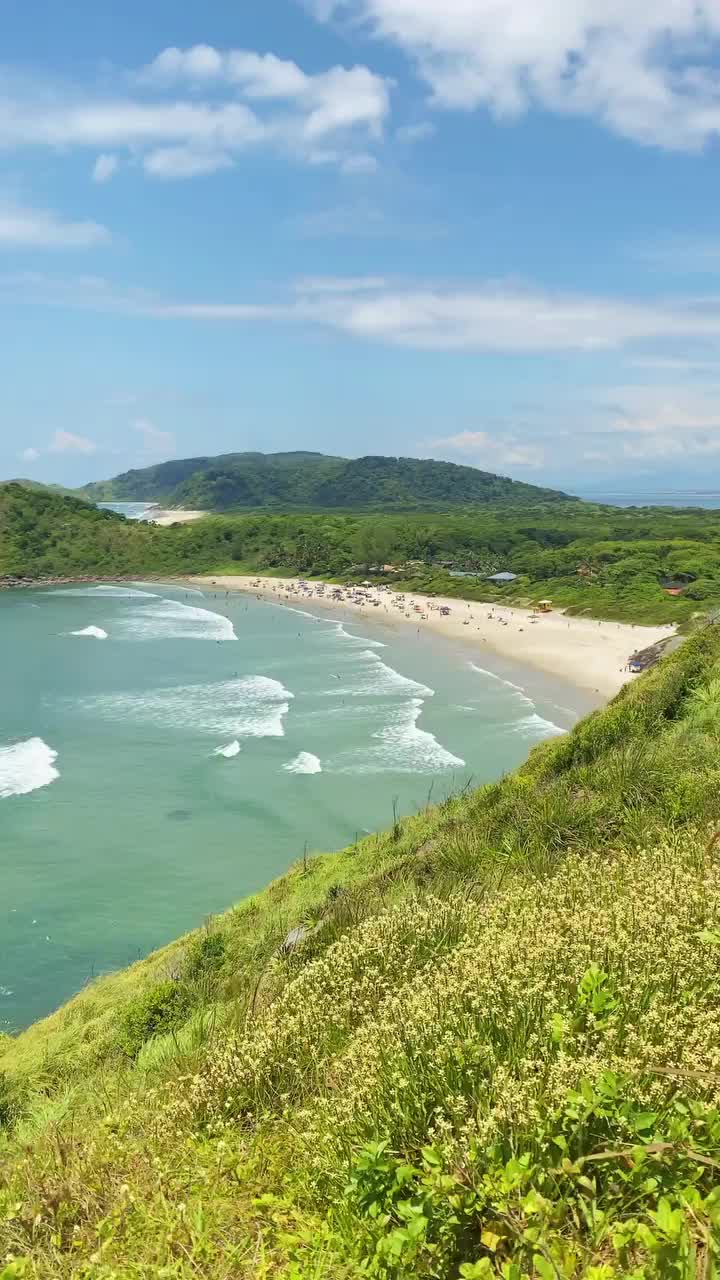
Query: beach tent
x,y
545,606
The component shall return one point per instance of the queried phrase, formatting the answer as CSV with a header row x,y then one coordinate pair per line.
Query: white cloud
x,y
156,443
491,318
652,423
645,70
67,442
194,111
642,410
22,227
492,450
30,455
105,166
667,446
410,133
340,98
185,162
360,163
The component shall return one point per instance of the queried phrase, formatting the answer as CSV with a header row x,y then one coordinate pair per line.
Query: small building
x,y
675,586
545,606
501,578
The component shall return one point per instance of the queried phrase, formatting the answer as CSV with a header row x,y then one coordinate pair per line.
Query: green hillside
x,y
58,489
605,561
287,480
482,1044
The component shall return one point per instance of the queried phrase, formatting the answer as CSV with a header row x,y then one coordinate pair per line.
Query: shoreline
x,y
163,517
588,654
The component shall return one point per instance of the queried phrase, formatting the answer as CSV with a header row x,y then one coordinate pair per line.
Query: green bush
x,y
205,956
159,1010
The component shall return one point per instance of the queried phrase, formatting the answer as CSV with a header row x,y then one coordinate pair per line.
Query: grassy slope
x,y
495,1052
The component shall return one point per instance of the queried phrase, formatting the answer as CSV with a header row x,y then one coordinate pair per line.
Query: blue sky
x,y
481,230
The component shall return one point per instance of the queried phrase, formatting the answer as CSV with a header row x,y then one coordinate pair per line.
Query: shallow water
x,y
164,752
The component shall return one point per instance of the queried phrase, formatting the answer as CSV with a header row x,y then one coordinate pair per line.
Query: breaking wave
x,y
401,747
370,676
246,707
171,620
96,632
228,751
109,592
536,726
26,766
532,724
347,635
305,762
509,684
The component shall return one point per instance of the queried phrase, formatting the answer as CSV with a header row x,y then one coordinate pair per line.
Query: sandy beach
x,y
162,517
591,655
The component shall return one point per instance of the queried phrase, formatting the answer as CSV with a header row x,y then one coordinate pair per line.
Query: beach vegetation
x,y
589,561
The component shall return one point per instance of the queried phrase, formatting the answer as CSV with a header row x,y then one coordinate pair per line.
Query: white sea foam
x,y
531,725
369,676
169,586
228,751
172,620
247,707
509,684
346,635
26,766
108,591
535,726
291,608
96,632
305,762
401,747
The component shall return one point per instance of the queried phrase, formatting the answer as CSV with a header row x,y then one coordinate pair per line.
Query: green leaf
x,y
481,1270
545,1269
644,1120
490,1240
664,1215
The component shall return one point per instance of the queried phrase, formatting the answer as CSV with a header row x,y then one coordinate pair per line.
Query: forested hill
x,y
312,480
649,566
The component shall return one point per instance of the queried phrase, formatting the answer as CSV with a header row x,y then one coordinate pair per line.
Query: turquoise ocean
x,y
166,751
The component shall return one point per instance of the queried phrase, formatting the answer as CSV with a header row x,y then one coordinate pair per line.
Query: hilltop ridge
x,y
312,480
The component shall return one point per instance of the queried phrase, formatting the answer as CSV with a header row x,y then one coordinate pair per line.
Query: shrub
x,y
205,956
160,1009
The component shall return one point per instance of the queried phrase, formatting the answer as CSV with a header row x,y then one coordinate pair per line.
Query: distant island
x,y
313,481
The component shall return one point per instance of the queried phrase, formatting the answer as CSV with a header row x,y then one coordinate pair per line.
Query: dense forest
x,y
482,1045
312,481
608,561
